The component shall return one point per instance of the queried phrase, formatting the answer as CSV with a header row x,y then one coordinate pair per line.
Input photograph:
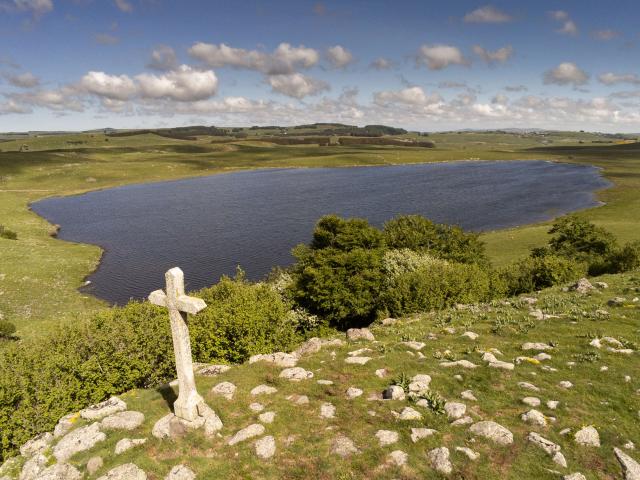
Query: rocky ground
x,y
544,387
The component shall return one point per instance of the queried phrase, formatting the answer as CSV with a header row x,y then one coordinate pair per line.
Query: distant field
x,y
39,275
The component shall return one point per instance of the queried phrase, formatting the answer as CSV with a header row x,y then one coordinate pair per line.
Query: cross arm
x,y
190,305
158,297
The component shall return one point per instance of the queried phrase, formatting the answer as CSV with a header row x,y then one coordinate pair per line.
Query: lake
x,y
209,225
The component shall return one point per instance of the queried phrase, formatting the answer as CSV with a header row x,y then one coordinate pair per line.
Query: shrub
x,y
8,234
443,241
576,238
241,319
438,285
7,329
542,271
624,259
399,262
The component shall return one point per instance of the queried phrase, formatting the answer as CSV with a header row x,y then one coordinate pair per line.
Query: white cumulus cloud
x,y
487,14
500,55
437,57
184,84
610,78
414,96
339,57
163,57
116,87
296,85
566,73
23,80
568,26
124,6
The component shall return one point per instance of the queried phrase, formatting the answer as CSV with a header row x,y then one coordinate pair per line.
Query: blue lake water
x,y
209,225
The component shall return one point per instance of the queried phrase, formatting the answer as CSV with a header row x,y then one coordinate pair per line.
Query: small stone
x,y
458,363
267,417
547,445
246,433
325,382
439,458
354,334
94,464
587,436
265,447
470,335
564,431
468,395
582,286
565,384
37,444
212,370
381,373
298,399
103,409
409,413
128,471
415,345
394,392
528,386
128,443
327,410
60,471
574,476
419,383
466,420
181,472
387,437
357,360
630,467
542,356
65,424
553,404
471,455
256,407
33,467
559,459
536,346
279,359
420,433
617,302
389,321
343,447
127,420
601,285
296,374
629,445
531,401
455,410
492,431
224,389
458,377
398,458
264,390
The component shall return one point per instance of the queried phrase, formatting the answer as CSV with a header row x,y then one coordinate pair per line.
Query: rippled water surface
x,y
208,225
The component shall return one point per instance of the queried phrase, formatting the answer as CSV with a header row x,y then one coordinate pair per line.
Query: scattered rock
x,y
409,413
470,335
181,472
315,344
128,471
327,410
256,407
60,471
528,386
587,436
212,370
279,359
103,409
127,420
78,441
471,455
394,392
65,424
630,467
33,467
325,382
415,345
267,417
387,322
225,389
553,404
354,334
582,286
343,447
439,458
357,360
467,420
381,372
534,417
574,476
353,392
398,458
531,401
617,302
455,410
458,363
37,444
387,437
536,346
565,384
128,443
601,285
265,447
296,374
298,399
492,431
468,395
419,383
420,433
94,464
264,390
254,430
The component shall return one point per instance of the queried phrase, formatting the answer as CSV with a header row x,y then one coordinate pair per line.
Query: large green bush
x,y
538,272
448,242
241,319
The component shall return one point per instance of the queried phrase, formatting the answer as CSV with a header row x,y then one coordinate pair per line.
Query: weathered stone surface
x,y
33,467
574,476
296,374
103,409
94,464
298,399
128,443
617,302
315,344
547,445
419,383
37,444
263,390
65,424
180,472
357,360
225,389
353,392
394,392
354,334
470,335
565,384
60,471
459,363
128,471
398,458
470,454
327,410
582,286
387,322
162,428
420,433
630,467
343,447
123,421
78,441
212,370
387,437
492,431
528,386
256,407
455,410
466,420
587,436
254,430
531,401
279,359
265,447
409,413
439,458
415,345
468,395
534,417
536,346
325,382
267,417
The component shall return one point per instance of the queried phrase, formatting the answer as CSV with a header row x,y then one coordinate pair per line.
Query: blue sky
x,y
426,65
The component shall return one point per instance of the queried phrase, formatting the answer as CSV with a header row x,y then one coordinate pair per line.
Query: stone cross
x,y
179,304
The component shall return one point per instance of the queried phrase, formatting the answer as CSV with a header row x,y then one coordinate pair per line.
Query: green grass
x,y
39,275
602,399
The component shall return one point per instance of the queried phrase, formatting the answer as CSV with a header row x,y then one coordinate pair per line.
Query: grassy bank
x,y
39,275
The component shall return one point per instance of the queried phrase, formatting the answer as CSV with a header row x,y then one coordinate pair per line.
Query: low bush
x,y
541,271
241,319
8,234
7,329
